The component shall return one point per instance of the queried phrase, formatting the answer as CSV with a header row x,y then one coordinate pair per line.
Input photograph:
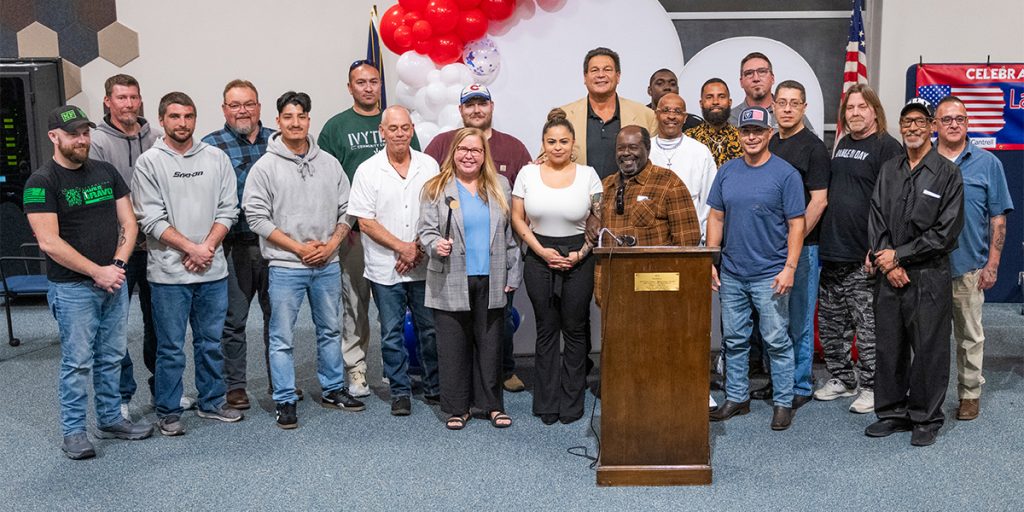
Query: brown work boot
x,y
513,384
237,399
968,409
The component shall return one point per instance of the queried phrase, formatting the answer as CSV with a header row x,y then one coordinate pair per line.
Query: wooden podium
x,y
656,336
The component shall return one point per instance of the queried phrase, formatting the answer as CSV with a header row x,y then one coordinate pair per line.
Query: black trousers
x,y
135,276
912,329
469,352
561,306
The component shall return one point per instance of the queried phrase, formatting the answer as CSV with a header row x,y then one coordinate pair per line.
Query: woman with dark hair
x,y
474,260
550,206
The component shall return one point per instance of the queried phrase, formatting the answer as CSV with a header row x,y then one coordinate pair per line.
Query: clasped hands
x,y
315,253
409,255
886,261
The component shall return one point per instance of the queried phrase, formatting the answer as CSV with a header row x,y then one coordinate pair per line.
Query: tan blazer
x,y
630,113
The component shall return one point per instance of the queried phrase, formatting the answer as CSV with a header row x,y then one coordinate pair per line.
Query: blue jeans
x,y
739,299
322,286
391,303
802,299
92,338
203,306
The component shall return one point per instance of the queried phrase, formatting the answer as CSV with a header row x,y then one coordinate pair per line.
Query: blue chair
x,y
28,284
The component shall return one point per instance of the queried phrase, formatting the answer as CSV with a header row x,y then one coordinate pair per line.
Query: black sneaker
x,y
286,417
340,399
401,406
432,399
77,447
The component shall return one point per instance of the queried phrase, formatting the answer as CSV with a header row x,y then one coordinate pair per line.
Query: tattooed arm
x,y
593,224
987,276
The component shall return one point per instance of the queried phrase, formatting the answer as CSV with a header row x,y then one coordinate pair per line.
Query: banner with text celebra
x,y
993,94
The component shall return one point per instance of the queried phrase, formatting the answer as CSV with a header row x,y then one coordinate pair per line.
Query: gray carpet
x,y
370,460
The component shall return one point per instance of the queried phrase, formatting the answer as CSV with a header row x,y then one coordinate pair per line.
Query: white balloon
x,y
416,118
405,94
413,69
437,94
426,132
467,76
434,76
454,94
423,106
452,73
449,118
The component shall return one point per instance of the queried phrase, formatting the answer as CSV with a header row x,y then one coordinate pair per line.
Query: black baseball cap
x,y
68,118
919,104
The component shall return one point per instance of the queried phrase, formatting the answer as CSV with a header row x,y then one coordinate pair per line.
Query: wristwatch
x,y
119,263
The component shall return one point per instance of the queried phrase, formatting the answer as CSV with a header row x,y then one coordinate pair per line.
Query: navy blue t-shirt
x,y
757,202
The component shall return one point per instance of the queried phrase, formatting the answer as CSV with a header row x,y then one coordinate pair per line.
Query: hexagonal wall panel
x,y
96,14
118,44
15,16
36,40
78,44
72,80
55,14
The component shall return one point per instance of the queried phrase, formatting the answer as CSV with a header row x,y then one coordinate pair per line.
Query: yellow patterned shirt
x,y
723,142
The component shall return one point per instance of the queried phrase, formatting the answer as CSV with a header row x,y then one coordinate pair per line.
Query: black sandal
x,y
499,418
457,422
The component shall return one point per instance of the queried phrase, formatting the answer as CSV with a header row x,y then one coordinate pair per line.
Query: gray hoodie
x,y
114,147
305,197
189,192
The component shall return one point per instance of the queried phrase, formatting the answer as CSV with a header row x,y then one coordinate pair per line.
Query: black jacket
x,y
938,209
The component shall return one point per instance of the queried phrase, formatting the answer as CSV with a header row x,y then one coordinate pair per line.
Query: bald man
x,y
683,155
386,200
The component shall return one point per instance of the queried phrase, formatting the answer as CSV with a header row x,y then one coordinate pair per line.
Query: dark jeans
x,y
508,358
135,274
247,278
469,352
392,301
912,329
561,306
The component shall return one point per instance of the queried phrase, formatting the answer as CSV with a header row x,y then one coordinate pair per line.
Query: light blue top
x,y
985,196
476,220
757,202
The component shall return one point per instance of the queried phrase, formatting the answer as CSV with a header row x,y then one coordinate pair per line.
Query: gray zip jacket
x,y
114,147
189,192
306,197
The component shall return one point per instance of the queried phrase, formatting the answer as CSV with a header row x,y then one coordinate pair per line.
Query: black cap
x,y
919,104
68,118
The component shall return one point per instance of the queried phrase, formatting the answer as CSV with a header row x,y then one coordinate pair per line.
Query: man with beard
x,y
722,138
509,156
119,140
244,140
916,218
689,159
353,136
184,196
845,297
81,215
975,262
757,79
663,82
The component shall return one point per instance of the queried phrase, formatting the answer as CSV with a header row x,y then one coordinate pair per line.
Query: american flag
x,y
373,55
855,70
984,104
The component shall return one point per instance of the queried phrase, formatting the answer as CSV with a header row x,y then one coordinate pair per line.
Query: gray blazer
x,y
447,283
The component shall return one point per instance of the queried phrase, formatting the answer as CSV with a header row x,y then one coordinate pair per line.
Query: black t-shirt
x,y
855,167
601,141
807,153
84,200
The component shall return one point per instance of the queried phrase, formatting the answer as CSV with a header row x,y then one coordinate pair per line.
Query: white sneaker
x,y
357,384
125,413
187,402
833,389
864,403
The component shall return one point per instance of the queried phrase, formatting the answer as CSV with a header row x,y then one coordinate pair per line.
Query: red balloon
x,y
403,37
421,30
498,10
446,49
411,17
391,20
413,5
472,25
465,5
423,46
443,15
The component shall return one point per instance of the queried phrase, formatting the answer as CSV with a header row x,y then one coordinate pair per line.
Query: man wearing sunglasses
x,y
915,219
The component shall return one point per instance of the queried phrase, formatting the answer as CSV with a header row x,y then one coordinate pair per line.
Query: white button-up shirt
x,y
381,194
694,164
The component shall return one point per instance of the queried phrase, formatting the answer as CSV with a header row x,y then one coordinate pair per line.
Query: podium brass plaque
x,y
656,282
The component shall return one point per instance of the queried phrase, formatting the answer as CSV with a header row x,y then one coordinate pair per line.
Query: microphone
x,y
452,204
621,241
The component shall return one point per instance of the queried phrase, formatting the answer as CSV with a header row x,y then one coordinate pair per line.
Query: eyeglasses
x,y
791,103
676,111
760,72
249,105
476,152
948,120
921,122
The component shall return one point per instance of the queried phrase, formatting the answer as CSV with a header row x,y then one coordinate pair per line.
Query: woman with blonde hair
x,y
474,260
550,207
